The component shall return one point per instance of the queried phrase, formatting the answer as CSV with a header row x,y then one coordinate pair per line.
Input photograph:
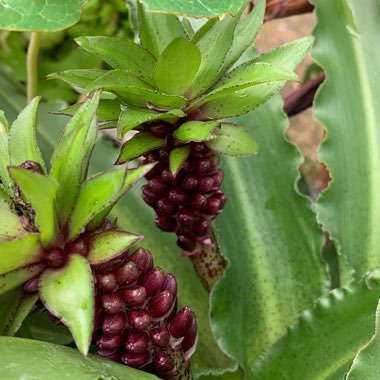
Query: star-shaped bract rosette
x,y
53,225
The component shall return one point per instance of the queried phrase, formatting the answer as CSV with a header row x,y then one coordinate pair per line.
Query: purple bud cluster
x,y
186,203
136,319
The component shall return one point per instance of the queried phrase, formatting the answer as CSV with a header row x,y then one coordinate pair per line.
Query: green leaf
x,y
132,117
4,127
178,157
196,131
177,66
139,144
9,302
339,325
51,361
39,191
22,137
106,245
78,79
68,293
349,210
101,192
158,30
121,54
233,141
196,8
19,252
42,15
4,154
17,277
273,274
71,156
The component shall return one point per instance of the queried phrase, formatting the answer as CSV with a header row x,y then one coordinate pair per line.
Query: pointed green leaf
x,y
132,117
233,141
78,79
188,28
8,302
17,277
68,293
4,163
22,137
106,245
139,144
158,30
4,127
19,252
52,361
196,131
100,192
120,54
177,66
339,325
178,157
39,191
71,157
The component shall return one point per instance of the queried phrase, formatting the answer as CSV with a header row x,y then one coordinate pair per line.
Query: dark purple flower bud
x,y
136,360
191,334
143,259
213,206
134,295
107,282
149,192
112,264
127,273
32,166
165,223
200,227
152,281
160,337
186,243
158,185
186,218
139,319
160,130
189,183
221,196
163,362
154,172
205,184
166,206
214,160
114,323
161,304
218,177
113,355
112,303
31,285
78,246
151,201
153,157
164,154
110,342
177,196
178,325
55,257
168,176
170,284
198,201
198,147
200,165
136,342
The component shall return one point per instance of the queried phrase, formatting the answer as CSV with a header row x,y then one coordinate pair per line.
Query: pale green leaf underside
x,y
44,15
177,158
4,163
326,339
349,210
196,131
68,293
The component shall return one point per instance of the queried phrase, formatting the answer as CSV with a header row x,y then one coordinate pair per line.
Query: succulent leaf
x,y
68,293
22,137
19,252
121,54
233,141
107,245
42,202
178,157
196,131
177,66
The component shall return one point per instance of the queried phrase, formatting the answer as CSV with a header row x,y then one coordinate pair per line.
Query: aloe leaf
x,y
52,361
68,293
158,30
42,202
101,192
19,252
177,66
121,54
196,131
109,244
233,141
178,157
78,79
71,156
325,340
22,138
276,272
349,210
12,279
132,117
